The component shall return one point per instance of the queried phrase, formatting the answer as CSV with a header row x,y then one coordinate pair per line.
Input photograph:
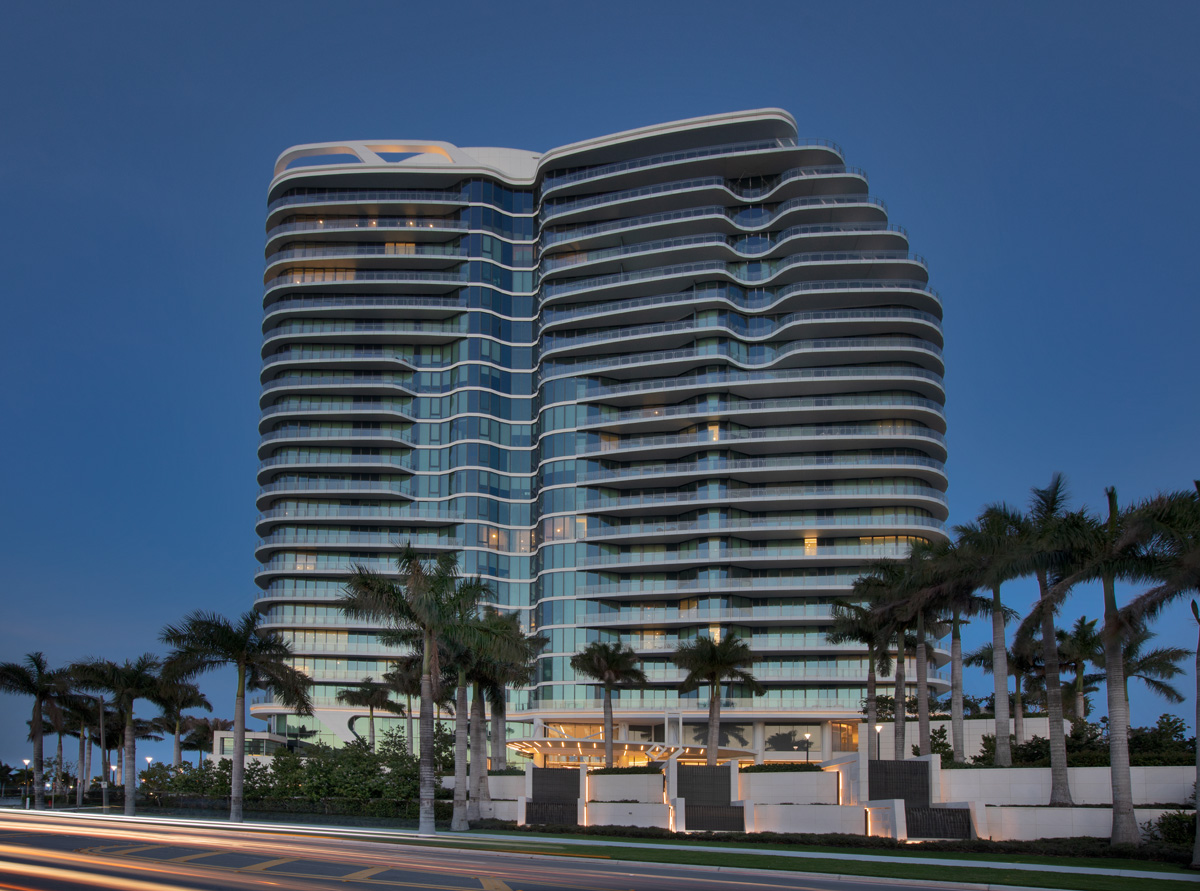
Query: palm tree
x,y
34,677
517,670
173,698
373,697
127,683
200,734
615,665
1154,668
990,557
425,602
710,662
206,641
855,623
1053,538
1077,648
955,582
1170,526
404,679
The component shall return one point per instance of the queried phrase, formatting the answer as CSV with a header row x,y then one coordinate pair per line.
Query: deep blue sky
x,y
1042,157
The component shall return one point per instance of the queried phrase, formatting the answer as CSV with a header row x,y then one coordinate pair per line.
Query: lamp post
x,y
149,758
28,783
807,746
878,753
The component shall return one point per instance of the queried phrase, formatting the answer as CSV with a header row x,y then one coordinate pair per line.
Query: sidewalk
x,y
473,839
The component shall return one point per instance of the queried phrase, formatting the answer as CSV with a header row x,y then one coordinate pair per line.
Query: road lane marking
x,y
186,857
490,883
122,850
266,864
365,873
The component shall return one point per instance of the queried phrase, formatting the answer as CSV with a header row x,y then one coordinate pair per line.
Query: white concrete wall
x,y
1089,785
506,788
1026,823
808,818
973,733
498,809
641,787
615,814
789,788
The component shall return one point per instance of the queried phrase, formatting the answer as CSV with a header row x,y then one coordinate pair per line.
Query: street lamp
x,y
113,769
149,758
807,746
28,783
878,753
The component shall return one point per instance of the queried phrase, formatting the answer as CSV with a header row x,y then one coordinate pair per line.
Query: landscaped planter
x,y
1089,785
1025,823
808,818
620,813
642,787
801,787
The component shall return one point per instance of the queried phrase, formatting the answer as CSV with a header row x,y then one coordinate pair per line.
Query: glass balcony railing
x,y
697,706
898,372
742,300
553,209
342,460
754,492
787,433
359,196
363,512
743,273
708,151
335,486
751,355
364,301
749,247
761,523
699,555
708,466
341,224
627,586
369,250
658,616
741,406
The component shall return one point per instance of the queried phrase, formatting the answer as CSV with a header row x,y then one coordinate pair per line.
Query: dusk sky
x,y
1041,156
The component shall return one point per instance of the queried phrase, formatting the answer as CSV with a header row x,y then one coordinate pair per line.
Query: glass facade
x,y
684,381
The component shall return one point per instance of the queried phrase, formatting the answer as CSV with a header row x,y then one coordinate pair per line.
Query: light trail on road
x,y
57,852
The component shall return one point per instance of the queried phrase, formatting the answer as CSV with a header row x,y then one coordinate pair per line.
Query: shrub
x,y
782,767
1172,828
938,745
507,772
641,768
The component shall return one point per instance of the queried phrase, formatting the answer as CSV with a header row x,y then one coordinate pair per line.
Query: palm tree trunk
x,y
922,688
1000,681
238,773
1080,699
498,742
872,705
458,823
87,765
58,766
1125,829
714,723
130,764
80,774
1018,711
479,767
177,754
426,825
1060,785
408,717
898,730
608,726
956,689
35,724
1196,803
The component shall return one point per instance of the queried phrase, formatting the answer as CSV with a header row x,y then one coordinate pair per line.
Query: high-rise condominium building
x,y
683,380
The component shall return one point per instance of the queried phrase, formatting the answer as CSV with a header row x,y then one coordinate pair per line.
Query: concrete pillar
x,y
760,741
827,740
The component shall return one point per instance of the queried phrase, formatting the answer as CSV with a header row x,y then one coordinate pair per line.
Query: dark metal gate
x,y
555,796
706,793
938,822
900,779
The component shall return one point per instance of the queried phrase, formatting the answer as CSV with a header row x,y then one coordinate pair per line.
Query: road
x,y
40,852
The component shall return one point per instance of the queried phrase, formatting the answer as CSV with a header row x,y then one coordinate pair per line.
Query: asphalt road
x,y
48,853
